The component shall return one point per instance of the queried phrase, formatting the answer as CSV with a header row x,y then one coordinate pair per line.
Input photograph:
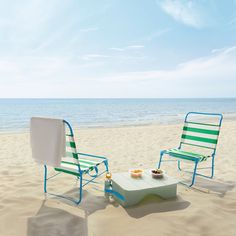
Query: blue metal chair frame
x,y
82,181
194,172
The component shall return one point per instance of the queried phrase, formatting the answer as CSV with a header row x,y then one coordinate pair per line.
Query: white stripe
x,y
92,162
211,145
86,164
73,160
70,149
70,159
71,167
82,163
202,126
70,139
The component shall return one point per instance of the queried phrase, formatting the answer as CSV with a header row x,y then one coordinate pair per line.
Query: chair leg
x,y
106,165
212,170
161,155
212,166
194,173
45,179
80,191
179,167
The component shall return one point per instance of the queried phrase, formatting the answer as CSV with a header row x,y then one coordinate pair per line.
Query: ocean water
x,y
15,113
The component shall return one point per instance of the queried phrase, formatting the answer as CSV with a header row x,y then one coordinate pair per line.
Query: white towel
x,y
47,137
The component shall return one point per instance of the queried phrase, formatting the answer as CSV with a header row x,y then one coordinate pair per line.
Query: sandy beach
x,y
207,209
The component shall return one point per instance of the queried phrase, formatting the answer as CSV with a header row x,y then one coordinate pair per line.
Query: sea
x,y
15,114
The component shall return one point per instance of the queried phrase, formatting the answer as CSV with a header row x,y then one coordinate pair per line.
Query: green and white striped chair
x,y
77,164
200,135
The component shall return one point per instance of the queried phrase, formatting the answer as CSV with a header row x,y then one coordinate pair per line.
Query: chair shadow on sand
x,y
53,220
213,186
50,221
62,218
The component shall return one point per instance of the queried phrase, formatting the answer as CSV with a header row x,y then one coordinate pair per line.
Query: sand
x,y
207,209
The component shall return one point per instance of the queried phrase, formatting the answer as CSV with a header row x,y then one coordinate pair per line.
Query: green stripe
x,y
67,171
70,144
202,131
200,139
84,160
187,153
185,157
182,156
74,164
70,163
88,161
195,145
75,155
197,123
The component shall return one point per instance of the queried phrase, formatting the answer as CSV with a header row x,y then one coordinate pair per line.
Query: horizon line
x,y
121,98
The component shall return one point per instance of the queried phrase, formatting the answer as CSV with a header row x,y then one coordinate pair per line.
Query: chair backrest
x,y
71,150
201,134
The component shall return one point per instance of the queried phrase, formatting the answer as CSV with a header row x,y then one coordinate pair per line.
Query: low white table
x,y
135,189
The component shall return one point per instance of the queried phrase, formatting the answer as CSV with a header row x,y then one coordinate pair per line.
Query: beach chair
x,y
200,136
77,164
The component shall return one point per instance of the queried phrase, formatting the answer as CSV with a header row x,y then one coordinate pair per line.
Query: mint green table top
x,y
128,183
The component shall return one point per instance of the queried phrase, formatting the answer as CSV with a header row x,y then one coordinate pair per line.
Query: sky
x,y
117,48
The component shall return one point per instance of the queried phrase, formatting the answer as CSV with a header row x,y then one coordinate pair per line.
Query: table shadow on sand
x,y
154,204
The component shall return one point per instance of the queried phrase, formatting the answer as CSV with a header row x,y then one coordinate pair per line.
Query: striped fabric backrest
x,y
71,146
200,134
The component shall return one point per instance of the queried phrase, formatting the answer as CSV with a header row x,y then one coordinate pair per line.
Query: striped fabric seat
x,y
70,164
197,134
190,156
200,134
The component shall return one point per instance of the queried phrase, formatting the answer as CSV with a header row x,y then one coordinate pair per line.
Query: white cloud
x,y
135,46
156,34
130,47
89,29
94,56
185,11
219,65
117,49
212,76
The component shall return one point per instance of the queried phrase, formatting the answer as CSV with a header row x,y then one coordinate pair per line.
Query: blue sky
x,y
118,48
